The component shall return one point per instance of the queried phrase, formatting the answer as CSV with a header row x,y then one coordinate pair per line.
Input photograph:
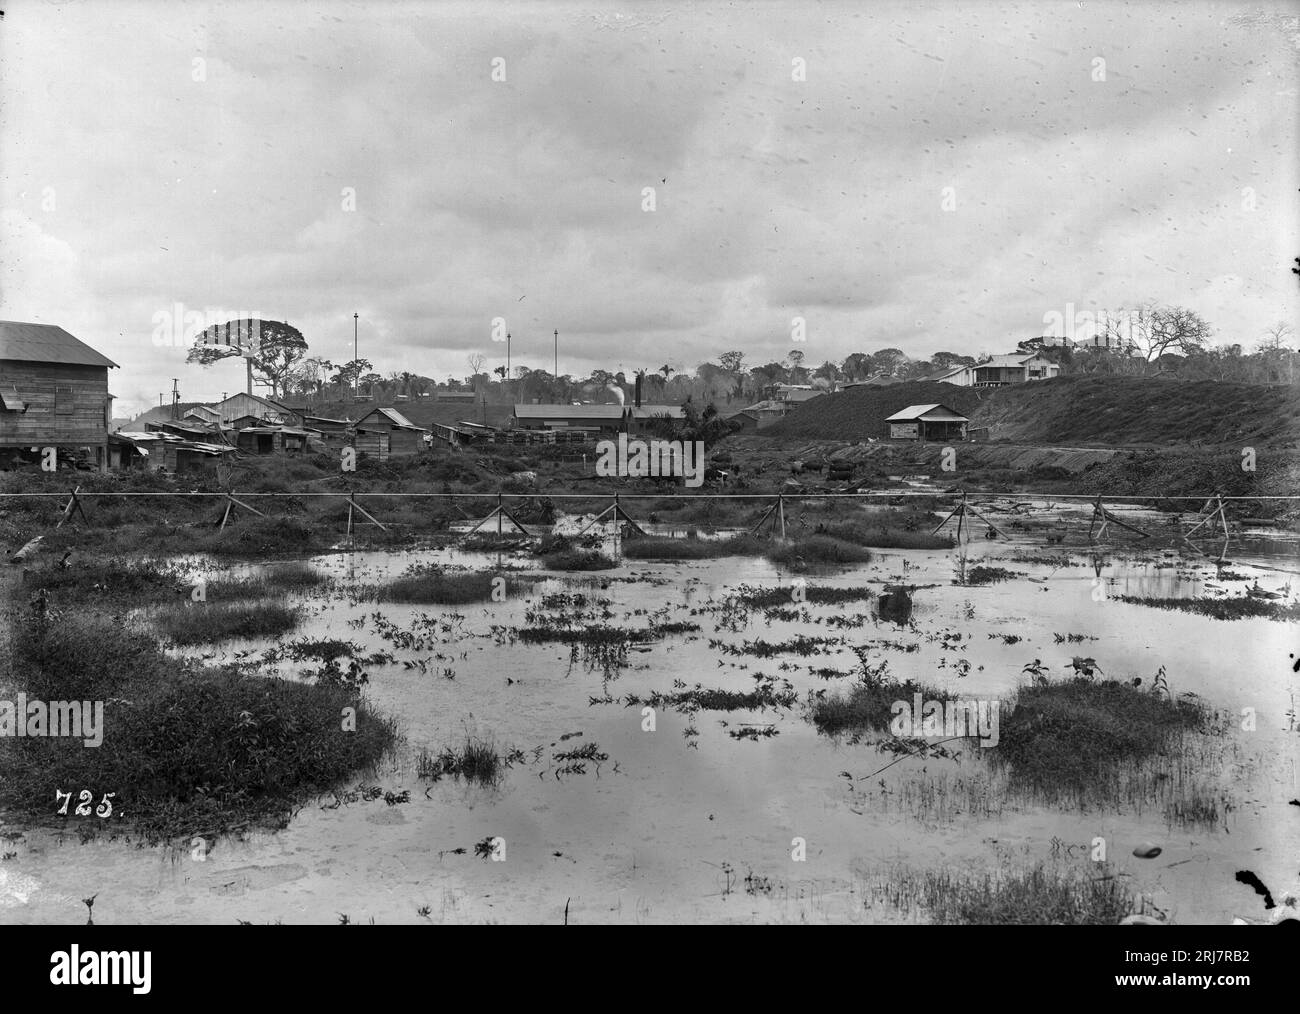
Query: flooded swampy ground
x,y
698,820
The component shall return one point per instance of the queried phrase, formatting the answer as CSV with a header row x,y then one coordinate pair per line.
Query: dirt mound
x,y
1070,410
860,412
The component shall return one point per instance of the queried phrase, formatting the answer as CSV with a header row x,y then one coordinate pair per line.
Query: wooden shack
x,y
384,432
53,391
927,422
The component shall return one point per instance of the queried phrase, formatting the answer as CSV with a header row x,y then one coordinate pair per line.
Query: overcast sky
x,y
207,157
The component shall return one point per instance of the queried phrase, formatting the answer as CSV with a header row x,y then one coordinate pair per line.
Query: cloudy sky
x,y
944,176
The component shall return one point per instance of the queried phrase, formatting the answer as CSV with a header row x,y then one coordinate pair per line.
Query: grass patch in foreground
x,y
213,622
1040,896
1222,609
188,750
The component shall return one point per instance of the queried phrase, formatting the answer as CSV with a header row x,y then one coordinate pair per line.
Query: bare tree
x,y
1277,338
475,361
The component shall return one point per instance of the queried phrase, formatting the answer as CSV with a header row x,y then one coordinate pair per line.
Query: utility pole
x,y
557,354
354,356
507,383
176,398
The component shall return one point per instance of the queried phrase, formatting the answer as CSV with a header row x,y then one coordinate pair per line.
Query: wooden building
x,y
384,432
272,440
927,422
594,418
261,409
53,391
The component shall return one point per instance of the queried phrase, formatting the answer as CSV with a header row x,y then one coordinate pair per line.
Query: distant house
x,y
765,413
878,380
53,390
999,371
455,396
927,422
384,432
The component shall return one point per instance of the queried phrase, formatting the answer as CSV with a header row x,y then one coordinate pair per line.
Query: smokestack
x,y
639,377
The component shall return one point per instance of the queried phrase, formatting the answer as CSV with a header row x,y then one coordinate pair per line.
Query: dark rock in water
x,y
895,605
1147,850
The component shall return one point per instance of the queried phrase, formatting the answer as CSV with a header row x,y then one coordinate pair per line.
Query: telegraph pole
x,y
354,356
507,383
557,354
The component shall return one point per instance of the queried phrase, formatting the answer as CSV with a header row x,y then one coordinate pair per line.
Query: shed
x,y
271,439
927,422
384,432
53,390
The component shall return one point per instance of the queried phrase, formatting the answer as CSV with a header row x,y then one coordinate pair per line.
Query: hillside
x,y
1071,410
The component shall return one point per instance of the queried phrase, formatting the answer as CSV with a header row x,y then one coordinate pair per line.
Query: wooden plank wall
x,y
85,388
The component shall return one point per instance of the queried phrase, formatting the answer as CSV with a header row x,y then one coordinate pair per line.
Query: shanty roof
x,y
928,413
292,431
46,343
393,416
800,394
569,411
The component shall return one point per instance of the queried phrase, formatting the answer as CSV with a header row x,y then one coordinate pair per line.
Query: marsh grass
x,y
1066,733
655,547
189,750
476,760
427,584
1042,895
1222,609
868,705
888,534
193,623
817,549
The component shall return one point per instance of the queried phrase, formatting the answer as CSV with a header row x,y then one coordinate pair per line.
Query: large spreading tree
x,y
273,348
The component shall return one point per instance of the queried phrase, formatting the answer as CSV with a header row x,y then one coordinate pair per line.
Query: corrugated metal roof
x,y
46,343
931,413
393,416
569,411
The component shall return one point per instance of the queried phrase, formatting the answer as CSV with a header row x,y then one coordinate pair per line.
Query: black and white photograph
x,y
651,464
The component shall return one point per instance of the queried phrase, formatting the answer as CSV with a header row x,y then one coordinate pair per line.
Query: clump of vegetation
x,y
429,583
578,560
110,579
653,547
213,622
817,549
981,575
884,535
1222,609
868,705
1040,896
187,749
476,760
1064,738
